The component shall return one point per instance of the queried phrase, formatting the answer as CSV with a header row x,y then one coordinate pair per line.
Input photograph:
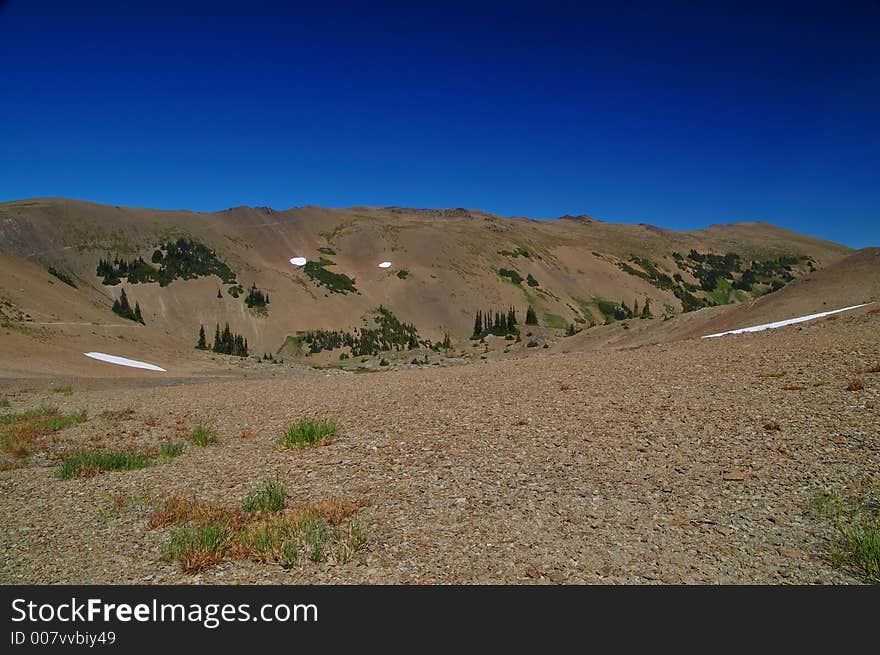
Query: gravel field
x,y
688,462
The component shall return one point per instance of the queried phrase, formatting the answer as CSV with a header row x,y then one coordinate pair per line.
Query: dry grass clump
x,y
793,387
855,385
263,531
112,417
19,430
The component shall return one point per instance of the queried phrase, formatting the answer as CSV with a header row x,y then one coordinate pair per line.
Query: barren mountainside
x,y
65,263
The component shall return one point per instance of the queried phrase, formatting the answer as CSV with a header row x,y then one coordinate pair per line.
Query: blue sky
x,y
680,115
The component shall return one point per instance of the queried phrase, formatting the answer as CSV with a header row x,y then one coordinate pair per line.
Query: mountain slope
x,y
446,265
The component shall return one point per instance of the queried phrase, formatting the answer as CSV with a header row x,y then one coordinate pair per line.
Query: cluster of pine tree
x,y
531,316
123,309
389,334
500,324
181,259
256,298
226,342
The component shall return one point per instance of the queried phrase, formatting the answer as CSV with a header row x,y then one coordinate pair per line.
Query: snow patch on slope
x,y
779,324
124,361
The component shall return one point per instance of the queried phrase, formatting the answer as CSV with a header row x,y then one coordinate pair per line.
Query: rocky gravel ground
x,y
688,462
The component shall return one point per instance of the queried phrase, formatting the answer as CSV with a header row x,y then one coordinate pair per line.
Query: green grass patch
x,y
64,390
59,422
554,321
855,543
199,546
86,463
721,293
270,497
170,449
203,435
308,433
28,414
4,401
607,307
326,250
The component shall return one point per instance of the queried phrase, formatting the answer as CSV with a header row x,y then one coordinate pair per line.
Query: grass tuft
x,y
308,433
170,449
198,547
4,401
856,522
64,390
270,497
203,435
86,463
19,430
855,385
262,531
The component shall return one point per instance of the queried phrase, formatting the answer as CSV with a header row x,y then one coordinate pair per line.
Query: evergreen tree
x,y
202,344
478,325
137,314
531,316
646,310
219,295
123,303
218,344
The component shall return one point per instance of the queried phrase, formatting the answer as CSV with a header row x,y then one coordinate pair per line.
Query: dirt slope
x,y
446,265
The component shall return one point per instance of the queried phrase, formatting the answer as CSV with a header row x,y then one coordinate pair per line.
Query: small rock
x,y
734,476
788,552
772,426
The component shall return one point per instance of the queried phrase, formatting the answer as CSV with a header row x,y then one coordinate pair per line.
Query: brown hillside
x,y
451,259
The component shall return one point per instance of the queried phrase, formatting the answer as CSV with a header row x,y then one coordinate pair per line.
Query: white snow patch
x,y
779,324
124,361
298,261
385,265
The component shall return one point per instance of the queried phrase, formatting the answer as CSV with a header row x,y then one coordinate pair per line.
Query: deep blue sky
x,y
680,115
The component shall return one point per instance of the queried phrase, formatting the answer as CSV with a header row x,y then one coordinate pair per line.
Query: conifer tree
x,y
137,314
531,316
478,325
218,345
646,310
202,344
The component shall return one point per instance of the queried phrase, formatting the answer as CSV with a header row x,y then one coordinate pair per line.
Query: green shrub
x,y
308,432
4,401
532,344
64,390
511,275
